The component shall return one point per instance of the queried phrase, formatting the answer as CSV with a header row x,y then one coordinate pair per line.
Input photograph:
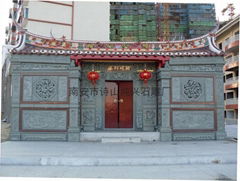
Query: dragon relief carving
x,y
192,89
45,89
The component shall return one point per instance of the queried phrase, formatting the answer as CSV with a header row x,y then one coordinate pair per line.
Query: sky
x,y
219,5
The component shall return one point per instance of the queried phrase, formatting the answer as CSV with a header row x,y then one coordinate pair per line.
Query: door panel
x,y
119,105
111,105
125,105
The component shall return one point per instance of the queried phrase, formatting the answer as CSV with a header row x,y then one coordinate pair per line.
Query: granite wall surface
x,y
182,101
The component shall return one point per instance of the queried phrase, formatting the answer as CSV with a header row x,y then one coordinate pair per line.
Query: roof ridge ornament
x,y
212,46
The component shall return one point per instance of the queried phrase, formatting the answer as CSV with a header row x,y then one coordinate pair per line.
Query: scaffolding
x,y
161,21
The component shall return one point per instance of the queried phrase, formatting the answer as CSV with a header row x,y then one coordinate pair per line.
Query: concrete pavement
x,y
117,154
170,172
195,160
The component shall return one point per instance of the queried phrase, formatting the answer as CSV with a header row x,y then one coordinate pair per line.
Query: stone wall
x,y
192,105
183,100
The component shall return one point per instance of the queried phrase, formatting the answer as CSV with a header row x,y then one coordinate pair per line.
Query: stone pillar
x,y
219,97
15,101
74,104
163,79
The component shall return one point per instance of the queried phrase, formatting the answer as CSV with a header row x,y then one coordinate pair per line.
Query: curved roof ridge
x,y
33,43
114,42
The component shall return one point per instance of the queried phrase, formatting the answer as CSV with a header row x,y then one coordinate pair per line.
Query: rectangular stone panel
x,y
44,88
191,89
43,136
44,120
27,88
62,88
193,136
193,119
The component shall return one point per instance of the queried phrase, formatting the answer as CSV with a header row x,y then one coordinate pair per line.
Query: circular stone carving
x,y
45,89
192,89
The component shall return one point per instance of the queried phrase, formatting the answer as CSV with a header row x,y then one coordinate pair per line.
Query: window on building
x,y
230,114
220,46
229,95
26,13
228,76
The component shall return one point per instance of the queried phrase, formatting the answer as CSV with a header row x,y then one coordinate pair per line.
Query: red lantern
x,y
93,76
145,75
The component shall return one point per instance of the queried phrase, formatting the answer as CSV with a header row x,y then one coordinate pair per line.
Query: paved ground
x,y
186,172
211,160
153,150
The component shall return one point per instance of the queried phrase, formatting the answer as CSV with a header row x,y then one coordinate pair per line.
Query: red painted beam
x,y
160,59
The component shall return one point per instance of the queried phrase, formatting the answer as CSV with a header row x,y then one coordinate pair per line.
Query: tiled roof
x,y
35,44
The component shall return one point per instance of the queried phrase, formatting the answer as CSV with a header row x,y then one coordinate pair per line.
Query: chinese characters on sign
x,y
118,68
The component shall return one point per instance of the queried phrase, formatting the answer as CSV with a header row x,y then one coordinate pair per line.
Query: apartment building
x,y
227,38
115,21
132,21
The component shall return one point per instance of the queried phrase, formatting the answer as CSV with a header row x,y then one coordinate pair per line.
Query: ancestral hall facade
x,y
50,95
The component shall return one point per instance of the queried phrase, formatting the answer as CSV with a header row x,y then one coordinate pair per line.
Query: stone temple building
x,y
72,90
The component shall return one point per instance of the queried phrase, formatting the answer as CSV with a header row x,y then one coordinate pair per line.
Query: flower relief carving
x,y
45,88
192,89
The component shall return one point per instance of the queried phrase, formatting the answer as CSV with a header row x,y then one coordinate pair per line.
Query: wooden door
x,y
119,104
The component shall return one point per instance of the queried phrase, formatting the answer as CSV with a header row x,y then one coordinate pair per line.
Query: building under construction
x,y
160,21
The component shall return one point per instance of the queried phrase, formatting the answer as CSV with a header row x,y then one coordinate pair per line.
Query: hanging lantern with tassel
x,y
93,75
145,75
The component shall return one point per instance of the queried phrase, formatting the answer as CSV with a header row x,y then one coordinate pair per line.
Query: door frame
x,y
133,110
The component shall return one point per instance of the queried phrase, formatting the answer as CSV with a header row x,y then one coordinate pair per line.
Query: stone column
x,y
15,101
219,97
163,79
74,104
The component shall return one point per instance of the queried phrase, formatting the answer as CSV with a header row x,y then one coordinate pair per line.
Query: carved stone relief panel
x,y
192,89
99,120
88,116
193,136
194,68
149,116
44,137
45,88
44,120
41,67
139,119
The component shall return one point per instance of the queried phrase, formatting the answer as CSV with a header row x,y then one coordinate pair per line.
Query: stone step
x,y
121,140
98,136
